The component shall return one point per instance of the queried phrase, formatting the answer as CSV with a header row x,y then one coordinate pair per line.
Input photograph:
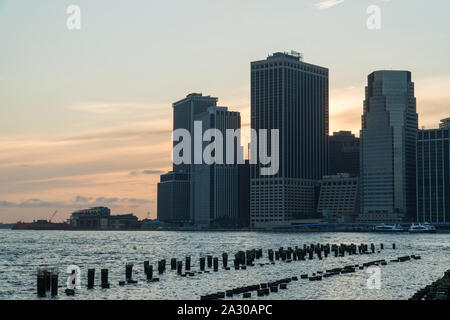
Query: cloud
x,y
328,4
134,173
82,199
30,203
106,200
109,107
80,202
152,172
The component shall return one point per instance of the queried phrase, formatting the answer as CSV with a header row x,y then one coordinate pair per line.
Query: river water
x,y
22,252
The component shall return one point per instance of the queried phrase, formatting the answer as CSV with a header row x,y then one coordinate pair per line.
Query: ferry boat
x,y
422,228
388,228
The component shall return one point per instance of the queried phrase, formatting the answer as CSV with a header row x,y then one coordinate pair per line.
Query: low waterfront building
x,y
339,197
174,197
433,175
100,218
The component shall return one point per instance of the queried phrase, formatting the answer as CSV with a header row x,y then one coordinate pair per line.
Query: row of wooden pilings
x,y
48,280
266,288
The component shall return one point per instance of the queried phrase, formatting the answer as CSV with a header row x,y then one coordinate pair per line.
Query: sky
x,y
86,116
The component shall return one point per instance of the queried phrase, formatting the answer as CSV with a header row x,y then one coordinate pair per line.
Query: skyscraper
x,y
175,185
388,148
433,175
217,185
344,153
292,96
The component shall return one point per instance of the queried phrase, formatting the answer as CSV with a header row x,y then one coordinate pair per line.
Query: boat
x,y
422,228
388,228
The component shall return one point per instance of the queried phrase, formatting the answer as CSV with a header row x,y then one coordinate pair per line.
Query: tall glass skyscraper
x,y
388,148
216,198
292,96
433,175
179,185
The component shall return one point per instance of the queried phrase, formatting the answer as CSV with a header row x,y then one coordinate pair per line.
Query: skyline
x,y
92,123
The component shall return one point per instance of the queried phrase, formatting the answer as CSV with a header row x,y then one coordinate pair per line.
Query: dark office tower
x,y
244,194
184,113
173,198
433,175
344,153
181,179
216,199
388,148
292,96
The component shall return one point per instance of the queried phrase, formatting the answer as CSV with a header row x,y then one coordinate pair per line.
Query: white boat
x,y
388,228
422,228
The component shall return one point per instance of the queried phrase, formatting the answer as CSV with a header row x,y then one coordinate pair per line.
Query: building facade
x,y
217,196
100,218
292,96
343,153
173,198
388,148
433,175
339,197
181,178
244,194
445,123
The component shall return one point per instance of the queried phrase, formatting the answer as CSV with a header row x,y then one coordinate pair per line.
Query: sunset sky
x,y
86,117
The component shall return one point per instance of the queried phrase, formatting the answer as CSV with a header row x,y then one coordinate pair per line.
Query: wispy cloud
x,y
133,173
328,4
79,202
113,107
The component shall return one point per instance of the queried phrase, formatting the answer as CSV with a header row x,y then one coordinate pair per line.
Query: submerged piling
x,y
188,263
216,264
202,263
54,283
91,278
179,267
40,283
104,278
225,259
210,258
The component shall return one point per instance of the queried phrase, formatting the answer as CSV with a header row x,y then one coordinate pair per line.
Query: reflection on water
x,y
22,252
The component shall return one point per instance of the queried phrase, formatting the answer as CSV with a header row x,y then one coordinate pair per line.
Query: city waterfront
x,y
23,252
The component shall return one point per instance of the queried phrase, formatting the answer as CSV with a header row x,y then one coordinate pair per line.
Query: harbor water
x,y
23,252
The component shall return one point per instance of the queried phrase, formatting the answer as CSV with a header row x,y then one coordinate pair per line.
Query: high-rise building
x,y
173,197
244,194
184,114
216,200
433,175
181,179
344,153
388,148
292,96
